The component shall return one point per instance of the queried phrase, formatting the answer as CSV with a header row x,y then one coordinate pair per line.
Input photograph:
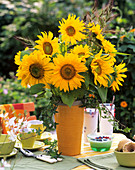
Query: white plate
x,y
45,135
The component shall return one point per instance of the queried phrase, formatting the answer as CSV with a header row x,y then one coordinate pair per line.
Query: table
x,y
87,151
68,163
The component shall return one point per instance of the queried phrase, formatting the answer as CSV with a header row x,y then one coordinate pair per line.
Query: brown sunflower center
x,y
36,71
98,69
70,31
67,72
81,54
47,47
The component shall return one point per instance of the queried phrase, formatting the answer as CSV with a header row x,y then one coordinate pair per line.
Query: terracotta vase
x,y
69,128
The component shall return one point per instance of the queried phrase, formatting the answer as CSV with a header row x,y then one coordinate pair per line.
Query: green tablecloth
x,y
107,160
21,162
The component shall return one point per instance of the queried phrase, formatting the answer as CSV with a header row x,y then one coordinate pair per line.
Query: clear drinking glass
x,y
90,122
106,127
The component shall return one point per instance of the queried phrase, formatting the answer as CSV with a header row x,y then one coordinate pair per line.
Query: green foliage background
x,y
127,91
27,18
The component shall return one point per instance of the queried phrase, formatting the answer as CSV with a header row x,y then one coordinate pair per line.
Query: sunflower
x,y
66,72
35,68
101,67
109,49
95,29
82,52
46,44
18,57
118,76
71,29
100,37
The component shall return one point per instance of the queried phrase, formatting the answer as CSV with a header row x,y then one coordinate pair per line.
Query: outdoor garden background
x,y
27,18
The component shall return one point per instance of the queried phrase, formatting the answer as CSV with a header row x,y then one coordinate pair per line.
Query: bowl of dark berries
x,y
100,143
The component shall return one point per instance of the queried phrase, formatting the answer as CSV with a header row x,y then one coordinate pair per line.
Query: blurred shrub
x,y
125,13
27,18
11,91
125,98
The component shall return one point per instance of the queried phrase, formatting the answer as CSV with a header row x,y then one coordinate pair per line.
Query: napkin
x,y
107,160
21,162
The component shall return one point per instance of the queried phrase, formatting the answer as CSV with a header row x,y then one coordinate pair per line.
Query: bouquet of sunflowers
x,y
77,63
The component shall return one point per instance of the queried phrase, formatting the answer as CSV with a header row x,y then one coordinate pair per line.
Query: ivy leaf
x,y
127,130
36,88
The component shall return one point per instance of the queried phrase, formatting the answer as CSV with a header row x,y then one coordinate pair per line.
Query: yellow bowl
x,y
6,145
125,158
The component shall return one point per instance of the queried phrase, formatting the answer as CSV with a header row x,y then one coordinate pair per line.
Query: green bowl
x,y
6,145
100,146
126,159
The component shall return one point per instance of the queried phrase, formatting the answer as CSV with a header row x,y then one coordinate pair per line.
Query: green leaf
x,y
67,99
102,93
79,93
110,81
132,47
123,113
88,79
122,53
25,52
127,130
48,94
41,95
36,88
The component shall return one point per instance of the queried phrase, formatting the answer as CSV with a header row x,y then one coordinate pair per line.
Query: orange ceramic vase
x,y
69,129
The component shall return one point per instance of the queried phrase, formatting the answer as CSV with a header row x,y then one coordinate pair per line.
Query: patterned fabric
x,y
18,110
87,151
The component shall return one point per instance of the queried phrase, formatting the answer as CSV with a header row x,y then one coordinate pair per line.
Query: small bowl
x,y
100,143
6,145
125,158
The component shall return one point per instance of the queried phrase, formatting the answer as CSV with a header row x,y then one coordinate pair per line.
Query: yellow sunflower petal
x,y
35,68
101,69
67,69
46,44
71,29
83,52
119,75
